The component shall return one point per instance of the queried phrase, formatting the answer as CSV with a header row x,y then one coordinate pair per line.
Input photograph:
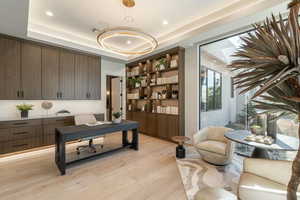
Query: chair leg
x,y
92,146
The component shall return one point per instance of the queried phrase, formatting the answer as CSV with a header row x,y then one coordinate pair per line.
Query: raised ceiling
x,y
73,20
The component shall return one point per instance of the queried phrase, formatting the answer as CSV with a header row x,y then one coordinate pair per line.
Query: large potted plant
x,y
24,109
269,61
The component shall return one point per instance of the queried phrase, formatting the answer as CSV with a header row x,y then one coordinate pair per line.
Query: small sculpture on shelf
x,y
175,94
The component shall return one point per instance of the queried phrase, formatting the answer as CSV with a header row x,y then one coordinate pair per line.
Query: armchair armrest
x,y
275,170
200,136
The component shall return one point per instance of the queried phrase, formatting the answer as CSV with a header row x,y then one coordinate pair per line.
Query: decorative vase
x,y
24,113
117,120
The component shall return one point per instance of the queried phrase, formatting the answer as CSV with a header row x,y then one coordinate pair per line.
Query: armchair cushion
x,y
275,170
256,187
212,146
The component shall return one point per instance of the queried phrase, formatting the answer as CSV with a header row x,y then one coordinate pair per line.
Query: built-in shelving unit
x,y
155,93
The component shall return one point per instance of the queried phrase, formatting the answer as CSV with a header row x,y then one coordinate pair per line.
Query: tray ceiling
x,y
73,20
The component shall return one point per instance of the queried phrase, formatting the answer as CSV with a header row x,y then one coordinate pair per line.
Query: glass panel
x,y
210,90
203,77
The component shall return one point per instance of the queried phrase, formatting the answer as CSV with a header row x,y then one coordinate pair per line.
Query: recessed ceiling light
x,y
128,42
165,22
49,13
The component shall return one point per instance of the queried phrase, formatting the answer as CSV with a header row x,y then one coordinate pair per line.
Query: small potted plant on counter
x,y
117,117
24,109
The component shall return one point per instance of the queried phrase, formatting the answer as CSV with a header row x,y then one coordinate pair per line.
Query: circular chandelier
x,y
127,32
149,43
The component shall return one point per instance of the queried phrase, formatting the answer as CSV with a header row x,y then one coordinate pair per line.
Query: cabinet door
x,y
94,78
140,117
81,77
162,126
173,126
31,68
9,69
50,71
151,124
67,75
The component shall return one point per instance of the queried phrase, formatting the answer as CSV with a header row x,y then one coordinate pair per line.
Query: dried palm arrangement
x,y
269,61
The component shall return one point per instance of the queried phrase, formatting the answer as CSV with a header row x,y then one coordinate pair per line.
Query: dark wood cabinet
x,y
81,77
50,73
34,71
94,78
162,126
140,117
31,71
151,124
173,126
26,134
9,69
67,75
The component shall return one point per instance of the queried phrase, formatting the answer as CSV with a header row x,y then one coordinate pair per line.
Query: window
x,y
211,90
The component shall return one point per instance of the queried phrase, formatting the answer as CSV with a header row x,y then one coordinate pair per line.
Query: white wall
x,y
8,108
191,90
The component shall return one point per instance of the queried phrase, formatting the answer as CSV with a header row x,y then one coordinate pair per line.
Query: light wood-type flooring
x,y
148,174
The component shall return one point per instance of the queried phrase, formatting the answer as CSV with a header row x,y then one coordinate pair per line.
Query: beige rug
x,y
197,175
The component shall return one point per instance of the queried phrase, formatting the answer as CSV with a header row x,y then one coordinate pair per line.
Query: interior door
x,y
31,71
81,77
116,94
94,78
9,69
67,75
50,71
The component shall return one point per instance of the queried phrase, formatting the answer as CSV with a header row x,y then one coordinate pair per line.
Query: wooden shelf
x,y
164,84
154,72
161,125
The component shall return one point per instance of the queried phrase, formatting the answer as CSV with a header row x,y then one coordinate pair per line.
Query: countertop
x,y
5,119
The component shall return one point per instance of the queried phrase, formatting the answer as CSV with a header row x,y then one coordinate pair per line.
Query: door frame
x,y
109,96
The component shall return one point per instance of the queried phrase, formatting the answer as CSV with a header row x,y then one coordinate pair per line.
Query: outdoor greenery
x,y
211,94
269,61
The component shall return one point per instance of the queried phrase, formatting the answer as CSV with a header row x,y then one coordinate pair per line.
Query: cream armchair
x,y
265,179
213,146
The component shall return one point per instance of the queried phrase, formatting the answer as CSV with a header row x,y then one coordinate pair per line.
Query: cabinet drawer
x,y
4,147
21,123
49,140
19,145
68,121
25,132
4,134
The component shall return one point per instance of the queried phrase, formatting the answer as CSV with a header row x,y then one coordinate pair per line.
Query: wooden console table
x,y
73,133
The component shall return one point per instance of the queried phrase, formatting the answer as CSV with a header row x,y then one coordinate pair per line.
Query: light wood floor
x,y
148,174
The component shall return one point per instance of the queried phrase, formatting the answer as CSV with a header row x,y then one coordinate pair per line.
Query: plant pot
x,y
117,121
24,113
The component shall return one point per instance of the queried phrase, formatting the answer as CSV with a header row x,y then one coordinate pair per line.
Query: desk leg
x,y
60,154
135,139
125,138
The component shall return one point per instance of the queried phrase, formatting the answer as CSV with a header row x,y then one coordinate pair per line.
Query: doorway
x,y
114,94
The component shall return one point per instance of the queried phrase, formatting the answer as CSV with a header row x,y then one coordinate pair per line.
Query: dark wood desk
x,y
72,133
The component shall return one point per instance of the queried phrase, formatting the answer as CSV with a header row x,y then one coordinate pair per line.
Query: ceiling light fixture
x,y
127,32
49,13
165,22
149,42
